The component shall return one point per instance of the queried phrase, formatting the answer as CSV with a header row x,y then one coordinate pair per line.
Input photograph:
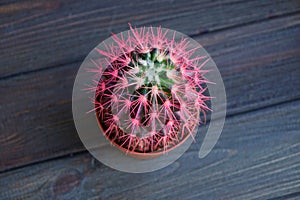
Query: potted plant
x,y
151,91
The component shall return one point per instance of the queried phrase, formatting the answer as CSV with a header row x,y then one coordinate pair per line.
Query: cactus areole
x,y
150,91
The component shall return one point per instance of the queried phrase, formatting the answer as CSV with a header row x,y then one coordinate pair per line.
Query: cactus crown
x,y
151,90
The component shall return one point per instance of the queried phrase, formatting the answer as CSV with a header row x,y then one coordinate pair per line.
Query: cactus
x,y
151,90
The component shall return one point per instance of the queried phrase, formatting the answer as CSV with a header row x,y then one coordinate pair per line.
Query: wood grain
x,y
42,34
257,157
259,64
255,44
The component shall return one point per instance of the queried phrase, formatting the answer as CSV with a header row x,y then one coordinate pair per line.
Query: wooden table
x,y
256,46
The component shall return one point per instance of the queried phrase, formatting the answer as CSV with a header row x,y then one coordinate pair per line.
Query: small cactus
x,y
151,91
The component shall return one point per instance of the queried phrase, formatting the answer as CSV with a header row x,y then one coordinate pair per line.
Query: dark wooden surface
x,y
256,46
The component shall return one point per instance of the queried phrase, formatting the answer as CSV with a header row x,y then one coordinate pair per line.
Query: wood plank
x,y
257,157
260,68
39,35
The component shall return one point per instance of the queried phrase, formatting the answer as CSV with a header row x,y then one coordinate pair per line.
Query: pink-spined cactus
x,y
150,94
